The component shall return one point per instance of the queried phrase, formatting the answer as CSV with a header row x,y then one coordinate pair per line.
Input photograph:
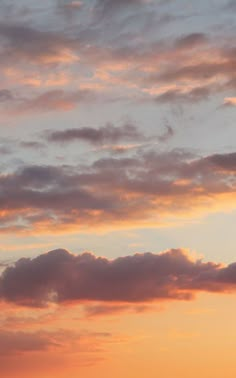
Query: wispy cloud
x,y
108,134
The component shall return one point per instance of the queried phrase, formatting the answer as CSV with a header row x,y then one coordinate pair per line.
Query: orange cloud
x,y
230,101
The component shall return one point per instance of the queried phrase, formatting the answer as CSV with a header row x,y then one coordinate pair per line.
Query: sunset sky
x,y
117,188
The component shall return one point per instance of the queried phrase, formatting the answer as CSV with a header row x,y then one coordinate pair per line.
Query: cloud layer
x,y
93,53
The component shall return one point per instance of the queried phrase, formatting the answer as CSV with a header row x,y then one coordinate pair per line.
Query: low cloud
x,y
59,276
144,188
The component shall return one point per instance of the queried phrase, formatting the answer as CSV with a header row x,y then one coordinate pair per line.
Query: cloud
x,y
5,95
230,6
191,40
70,5
168,134
190,96
109,6
31,145
22,342
230,101
5,150
59,276
105,135
83,53
52,100
106,309
141,189
225,162
24,43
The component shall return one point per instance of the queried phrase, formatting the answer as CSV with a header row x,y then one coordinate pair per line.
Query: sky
x,y
117,188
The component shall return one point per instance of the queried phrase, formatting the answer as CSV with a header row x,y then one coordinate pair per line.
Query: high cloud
x,y
188,68
59,276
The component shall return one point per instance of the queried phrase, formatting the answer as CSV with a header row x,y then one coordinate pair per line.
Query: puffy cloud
x,y
59,276
144,188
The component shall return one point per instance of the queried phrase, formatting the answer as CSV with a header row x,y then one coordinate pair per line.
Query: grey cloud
x,y
191,40
32,145
100,194
104,135
168,134
224,161
108,6
22,42
59,276
5,95
192,96
230,5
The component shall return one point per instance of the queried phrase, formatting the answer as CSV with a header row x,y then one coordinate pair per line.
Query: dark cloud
x,y
131,189
226,162
104,135
22,42
59,276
